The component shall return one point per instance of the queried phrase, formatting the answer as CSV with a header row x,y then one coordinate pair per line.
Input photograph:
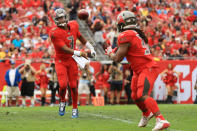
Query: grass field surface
x,y
106,118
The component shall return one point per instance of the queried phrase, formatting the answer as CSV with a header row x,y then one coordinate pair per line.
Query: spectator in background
x,y
27,41
127,84
8,16
53,83
2,53
92,82
170,79
13,9
112,36
36,3
42,82
56,5
97,27
4,8
116,75
72,8
103,16
175,55
83,86
28,82
16,31
18,42
2,16
13,77
43,34
103,76
46,6
195,46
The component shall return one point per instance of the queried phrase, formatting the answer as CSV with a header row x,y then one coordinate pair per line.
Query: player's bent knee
x,y
139,99
133,96
73,84
63,83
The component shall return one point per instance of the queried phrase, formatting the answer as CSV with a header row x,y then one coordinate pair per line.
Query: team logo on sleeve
x,y
124,38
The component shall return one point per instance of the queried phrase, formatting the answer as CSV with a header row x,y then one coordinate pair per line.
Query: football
x,y
83,14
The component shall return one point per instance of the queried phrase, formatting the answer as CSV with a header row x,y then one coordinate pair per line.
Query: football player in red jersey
x,y
64,37
170,79
132,43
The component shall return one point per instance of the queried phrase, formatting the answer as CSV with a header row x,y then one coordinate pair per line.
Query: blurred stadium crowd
x,y
169,25
24,27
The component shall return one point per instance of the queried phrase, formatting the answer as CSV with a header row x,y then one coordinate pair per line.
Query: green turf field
x,y
107,118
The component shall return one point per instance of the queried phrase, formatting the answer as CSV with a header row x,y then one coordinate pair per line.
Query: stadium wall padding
x,y
185,83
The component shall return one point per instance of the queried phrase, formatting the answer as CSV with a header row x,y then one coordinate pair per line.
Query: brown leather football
x,y
83,14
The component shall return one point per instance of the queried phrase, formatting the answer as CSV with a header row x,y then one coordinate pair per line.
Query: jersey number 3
x,y
71,43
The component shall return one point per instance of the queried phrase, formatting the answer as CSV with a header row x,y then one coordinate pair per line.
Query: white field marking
x,y
109,117
122,120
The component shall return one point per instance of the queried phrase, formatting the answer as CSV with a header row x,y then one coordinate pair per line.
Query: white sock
x,y
62,103
32,101
23,101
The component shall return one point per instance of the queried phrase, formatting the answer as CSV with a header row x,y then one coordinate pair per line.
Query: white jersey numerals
x,y
144,45
147,50
71,41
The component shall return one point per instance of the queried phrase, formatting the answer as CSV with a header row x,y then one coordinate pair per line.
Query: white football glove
x,y
109,50
92,51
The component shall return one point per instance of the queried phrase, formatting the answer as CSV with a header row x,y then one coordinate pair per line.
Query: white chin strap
x,y
62,24
130,26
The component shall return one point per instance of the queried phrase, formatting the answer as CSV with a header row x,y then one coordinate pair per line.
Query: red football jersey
x,y
105,76
61,37
138,53
171,77
43,77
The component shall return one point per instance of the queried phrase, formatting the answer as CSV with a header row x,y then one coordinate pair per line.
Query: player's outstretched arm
x,y
74,52
88,45
120,54
59,42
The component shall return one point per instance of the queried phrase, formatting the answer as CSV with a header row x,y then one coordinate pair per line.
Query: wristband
x,y
88,45
77,53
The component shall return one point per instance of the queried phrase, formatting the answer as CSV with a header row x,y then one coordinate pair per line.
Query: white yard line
x,y
122,120
109,117
113,118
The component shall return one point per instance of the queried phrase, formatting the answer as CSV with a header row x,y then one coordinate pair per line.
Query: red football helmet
x,y
125,20
58,14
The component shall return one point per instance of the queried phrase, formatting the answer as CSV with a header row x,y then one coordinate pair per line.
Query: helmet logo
x,y
120,20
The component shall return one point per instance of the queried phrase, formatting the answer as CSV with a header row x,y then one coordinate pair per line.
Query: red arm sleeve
x,y
78,34
77,29
124,37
